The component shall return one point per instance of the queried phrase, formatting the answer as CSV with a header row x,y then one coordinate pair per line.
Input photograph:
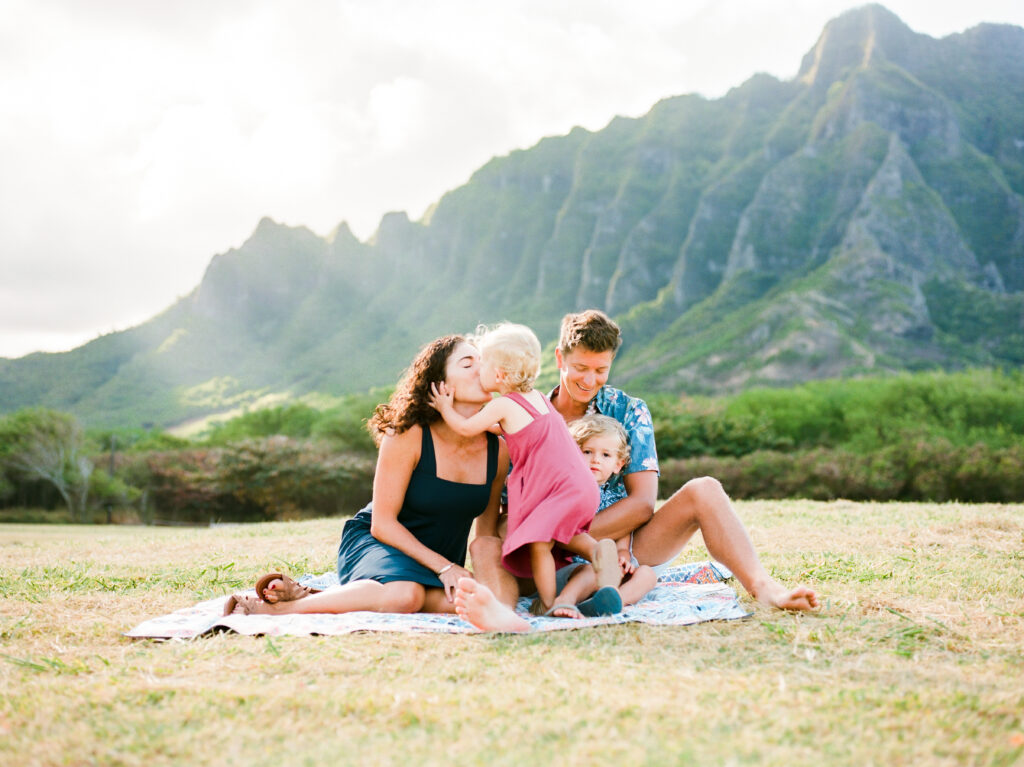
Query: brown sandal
x,y
537,608
289,591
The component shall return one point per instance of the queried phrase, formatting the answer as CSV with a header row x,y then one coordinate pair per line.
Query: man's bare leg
x,y
487,570
477,604
702,504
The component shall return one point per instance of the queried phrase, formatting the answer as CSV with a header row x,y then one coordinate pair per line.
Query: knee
x,y
646,576
403,597
485,548
703,490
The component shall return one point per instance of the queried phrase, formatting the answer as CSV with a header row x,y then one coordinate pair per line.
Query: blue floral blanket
x,y
685,594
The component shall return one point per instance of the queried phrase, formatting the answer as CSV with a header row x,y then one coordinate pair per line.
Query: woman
x,y
406,551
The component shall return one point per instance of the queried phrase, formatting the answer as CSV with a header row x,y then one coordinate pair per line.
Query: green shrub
x,y
254,480
860,415
909,471
295,420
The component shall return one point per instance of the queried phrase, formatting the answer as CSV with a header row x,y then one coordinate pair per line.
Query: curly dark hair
x,y
408,406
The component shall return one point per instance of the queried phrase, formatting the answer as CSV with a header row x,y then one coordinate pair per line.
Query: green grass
x,y
914,658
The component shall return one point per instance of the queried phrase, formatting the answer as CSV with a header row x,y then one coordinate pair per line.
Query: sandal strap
x,y
562,606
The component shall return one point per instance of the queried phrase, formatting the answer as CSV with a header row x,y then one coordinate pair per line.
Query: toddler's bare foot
x,y
774,594
476,604
606,563
568,611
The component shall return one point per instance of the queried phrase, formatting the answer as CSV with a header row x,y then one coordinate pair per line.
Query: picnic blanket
x,y
685,594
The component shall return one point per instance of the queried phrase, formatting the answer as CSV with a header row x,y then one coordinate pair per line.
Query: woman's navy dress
x,y
437,511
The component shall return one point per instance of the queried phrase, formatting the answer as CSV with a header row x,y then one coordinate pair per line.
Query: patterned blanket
x,y
685,594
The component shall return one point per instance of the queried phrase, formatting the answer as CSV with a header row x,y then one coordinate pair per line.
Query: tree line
x,y
924,436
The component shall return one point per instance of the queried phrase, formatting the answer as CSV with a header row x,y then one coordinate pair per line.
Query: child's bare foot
x,y
565,611
774,594
476,604
606,563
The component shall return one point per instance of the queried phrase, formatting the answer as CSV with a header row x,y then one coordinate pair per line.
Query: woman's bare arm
x,y
395,462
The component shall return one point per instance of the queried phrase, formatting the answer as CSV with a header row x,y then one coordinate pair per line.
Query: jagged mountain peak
x,y
855,39
272,271
342,236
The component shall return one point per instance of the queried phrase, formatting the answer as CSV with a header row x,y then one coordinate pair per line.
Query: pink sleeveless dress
x,y
552,496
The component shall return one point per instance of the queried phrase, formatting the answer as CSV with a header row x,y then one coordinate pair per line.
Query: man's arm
x,y
625,516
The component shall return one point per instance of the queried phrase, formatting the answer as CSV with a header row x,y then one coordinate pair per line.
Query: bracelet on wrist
x,y
445,569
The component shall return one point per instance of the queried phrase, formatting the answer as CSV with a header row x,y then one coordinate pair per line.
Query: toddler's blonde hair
x,y
594,425
514,349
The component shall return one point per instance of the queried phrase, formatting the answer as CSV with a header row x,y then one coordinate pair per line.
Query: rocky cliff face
x,y
867,215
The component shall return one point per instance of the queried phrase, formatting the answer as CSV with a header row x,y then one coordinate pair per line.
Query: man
x,y
586,349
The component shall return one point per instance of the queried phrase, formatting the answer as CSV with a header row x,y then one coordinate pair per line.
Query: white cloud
x,y
398,110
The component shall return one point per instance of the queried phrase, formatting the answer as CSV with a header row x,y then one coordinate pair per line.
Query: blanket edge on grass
x,y
685,594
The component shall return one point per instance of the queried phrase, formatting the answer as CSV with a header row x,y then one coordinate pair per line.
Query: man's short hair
x,y
593,330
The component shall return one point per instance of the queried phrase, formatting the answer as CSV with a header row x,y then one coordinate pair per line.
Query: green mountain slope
x,y
866,216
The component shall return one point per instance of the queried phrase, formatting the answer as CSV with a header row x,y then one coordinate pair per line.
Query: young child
x,y
551,495
605,445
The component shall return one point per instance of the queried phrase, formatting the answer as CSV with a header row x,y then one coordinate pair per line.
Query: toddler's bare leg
x,y
582,583
543,565
583,545
640,582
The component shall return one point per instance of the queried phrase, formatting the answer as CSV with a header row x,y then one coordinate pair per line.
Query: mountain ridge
x,y
866,216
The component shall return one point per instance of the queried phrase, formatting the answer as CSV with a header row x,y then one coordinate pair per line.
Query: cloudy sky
x,y
138,138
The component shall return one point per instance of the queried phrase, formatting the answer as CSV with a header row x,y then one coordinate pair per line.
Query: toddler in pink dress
x,y
552,496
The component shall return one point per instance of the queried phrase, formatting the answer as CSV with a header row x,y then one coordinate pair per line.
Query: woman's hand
x,y
450,578
441,399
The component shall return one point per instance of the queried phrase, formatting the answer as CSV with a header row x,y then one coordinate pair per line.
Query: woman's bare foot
x,y
774,594
272,592
243,604
278,587
476,604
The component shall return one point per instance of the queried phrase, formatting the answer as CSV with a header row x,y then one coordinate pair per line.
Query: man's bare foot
x,y
476,604
774,594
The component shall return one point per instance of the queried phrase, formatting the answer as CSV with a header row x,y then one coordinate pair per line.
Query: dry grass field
x,y
915,658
